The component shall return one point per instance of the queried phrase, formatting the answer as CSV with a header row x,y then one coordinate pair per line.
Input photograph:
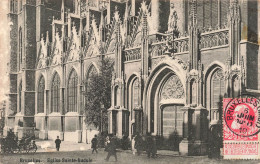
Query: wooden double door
x,y
172,120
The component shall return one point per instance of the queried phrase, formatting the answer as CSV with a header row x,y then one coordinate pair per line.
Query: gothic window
x,y
40,95
20,97
172,89
217,88
91,72
72,92
210,13
135,93
20,48
235,86
55,94
12,6
20,5
224,8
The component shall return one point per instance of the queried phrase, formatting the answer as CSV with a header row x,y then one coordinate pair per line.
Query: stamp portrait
x,y
241,127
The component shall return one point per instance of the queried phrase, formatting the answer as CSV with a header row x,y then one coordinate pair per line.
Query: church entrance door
x,y
172,126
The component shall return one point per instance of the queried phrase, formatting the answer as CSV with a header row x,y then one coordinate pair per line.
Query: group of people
x,y
139,144
147,143
110,146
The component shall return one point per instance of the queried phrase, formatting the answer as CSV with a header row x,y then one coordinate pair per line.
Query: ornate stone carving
x,y
57,55
214,39
218,75
158,49
172,21
133,54
172,89
74,51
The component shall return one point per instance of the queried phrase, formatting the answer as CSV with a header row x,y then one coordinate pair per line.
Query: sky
x,y
4,48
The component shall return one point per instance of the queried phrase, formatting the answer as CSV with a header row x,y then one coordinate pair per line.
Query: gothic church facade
x,y
174,62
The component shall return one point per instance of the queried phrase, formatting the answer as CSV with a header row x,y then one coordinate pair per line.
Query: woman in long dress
x,y
133,145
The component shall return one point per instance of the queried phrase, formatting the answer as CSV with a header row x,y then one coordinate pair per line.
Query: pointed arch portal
x,y
165,98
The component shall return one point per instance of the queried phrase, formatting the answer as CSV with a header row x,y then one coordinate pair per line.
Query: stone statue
x,y
172,21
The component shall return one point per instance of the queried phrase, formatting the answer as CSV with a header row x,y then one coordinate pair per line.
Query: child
x,y
57,142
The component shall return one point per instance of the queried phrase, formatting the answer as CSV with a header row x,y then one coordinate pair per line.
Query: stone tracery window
x,y
217,88
135,93
20,5
72,92
172,89
55,94
40,95
91,72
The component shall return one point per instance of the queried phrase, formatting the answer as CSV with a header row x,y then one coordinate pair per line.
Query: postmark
x,y
241,127
242,116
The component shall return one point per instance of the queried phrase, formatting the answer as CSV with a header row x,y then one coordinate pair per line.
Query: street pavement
x,y
74,153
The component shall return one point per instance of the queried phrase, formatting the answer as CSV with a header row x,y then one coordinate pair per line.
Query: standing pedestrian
x,y
133,144
154,147
111,149
149,145
94,144
57,142
215,142
138,143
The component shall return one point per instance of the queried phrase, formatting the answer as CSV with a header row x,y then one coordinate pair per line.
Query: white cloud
x,y
4,48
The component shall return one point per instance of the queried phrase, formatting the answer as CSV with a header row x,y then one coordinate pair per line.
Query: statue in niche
x,y
172,21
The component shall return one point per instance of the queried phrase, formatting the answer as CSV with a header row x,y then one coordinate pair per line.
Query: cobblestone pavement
x,y
71,152
123,157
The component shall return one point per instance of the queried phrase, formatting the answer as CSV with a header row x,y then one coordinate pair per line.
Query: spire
x,y
62,10
126,11
193,12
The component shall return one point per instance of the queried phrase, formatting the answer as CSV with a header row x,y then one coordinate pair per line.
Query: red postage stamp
x,y
241,125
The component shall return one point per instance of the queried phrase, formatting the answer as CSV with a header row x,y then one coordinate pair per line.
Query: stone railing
x,y
158,49
133,54
181,45
214,39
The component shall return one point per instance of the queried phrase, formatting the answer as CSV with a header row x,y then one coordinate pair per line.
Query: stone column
x,y
199,121
46,128
62,111
80,129
185,145
110,125
120,123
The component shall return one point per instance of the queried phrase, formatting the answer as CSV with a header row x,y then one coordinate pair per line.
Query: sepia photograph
x,y
129,81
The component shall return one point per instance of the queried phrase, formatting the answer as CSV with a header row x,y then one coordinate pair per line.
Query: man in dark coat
x,y
138,143
149,145
111,148
57,142
154,147
94,144
215,141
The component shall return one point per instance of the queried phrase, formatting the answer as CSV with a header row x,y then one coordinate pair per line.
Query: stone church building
x,y
174,62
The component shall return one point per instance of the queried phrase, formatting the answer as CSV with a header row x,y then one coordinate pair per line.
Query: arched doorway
x,y
165,117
